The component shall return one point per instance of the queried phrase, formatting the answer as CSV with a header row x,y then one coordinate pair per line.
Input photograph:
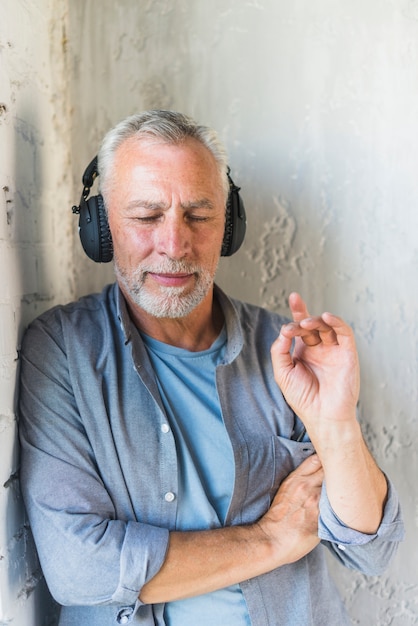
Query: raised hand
x,y
320,381
320,377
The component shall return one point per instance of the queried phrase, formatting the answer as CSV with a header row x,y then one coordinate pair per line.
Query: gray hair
x,y
171,127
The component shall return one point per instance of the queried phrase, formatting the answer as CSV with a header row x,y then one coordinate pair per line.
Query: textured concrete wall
x,y
317,103
35,252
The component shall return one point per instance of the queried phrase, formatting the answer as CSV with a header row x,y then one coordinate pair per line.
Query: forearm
x,y
203,561
356,487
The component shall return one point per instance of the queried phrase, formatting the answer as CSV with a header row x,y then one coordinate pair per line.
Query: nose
x,y
173,236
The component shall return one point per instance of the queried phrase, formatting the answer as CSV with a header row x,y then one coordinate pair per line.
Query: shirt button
x,y
124,615
165,428
169,496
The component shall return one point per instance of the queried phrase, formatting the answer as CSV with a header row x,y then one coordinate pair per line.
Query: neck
x,y
195,332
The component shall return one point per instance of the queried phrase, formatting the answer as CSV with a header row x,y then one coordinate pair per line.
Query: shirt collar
x,y
123,315
232,321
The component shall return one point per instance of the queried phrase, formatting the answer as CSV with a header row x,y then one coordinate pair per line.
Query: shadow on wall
x,y
31,234
32,228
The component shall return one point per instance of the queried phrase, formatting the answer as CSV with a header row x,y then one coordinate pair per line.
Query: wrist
x,y
264,537
336,435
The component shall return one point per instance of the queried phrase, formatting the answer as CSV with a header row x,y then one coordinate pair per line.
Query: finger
x,y
320,329
280,352
331,329
340,327
311,339
298,307
300,312
309,466
309,336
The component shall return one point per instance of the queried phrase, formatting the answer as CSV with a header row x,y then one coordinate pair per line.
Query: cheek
x,y
130,245
217,244
210,255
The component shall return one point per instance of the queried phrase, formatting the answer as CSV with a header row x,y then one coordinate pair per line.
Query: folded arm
x,y
203,561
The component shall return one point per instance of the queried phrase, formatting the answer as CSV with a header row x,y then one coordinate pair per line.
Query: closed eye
x,y
148,212
198,218
147,219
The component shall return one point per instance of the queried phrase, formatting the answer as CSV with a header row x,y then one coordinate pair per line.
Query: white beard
x,y
168,302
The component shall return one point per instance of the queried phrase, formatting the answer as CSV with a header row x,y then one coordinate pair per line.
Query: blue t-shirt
x,y
186,382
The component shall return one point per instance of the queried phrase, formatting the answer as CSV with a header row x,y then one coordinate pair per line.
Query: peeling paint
x,y
12,480
30,585
392,602
273,251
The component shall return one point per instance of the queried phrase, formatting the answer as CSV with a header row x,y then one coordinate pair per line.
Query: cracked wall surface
x,y
317,104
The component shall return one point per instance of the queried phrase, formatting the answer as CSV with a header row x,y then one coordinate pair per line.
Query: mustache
x,y
170,266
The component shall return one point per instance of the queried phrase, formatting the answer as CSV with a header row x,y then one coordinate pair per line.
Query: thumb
x,y
281,357
309,466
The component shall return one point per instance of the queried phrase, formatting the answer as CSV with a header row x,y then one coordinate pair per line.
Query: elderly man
x,y
181,463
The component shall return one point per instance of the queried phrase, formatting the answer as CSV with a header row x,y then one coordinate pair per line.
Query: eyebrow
x,y
203,203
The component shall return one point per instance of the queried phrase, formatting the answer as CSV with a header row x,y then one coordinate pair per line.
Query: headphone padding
x,y
94,230
235,222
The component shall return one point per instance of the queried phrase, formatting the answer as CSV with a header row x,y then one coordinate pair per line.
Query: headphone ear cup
x,y
106,243
235,222
94,230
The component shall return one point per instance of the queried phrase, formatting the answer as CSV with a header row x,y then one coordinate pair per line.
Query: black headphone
x,y
94,231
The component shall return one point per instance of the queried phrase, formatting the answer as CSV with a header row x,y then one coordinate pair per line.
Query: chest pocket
x,y
288,455
262,465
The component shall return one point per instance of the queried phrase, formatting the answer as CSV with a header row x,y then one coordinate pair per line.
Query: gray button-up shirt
x,y
99,467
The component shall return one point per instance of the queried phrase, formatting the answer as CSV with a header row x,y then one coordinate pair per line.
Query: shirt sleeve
x,y
369,553
91,553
